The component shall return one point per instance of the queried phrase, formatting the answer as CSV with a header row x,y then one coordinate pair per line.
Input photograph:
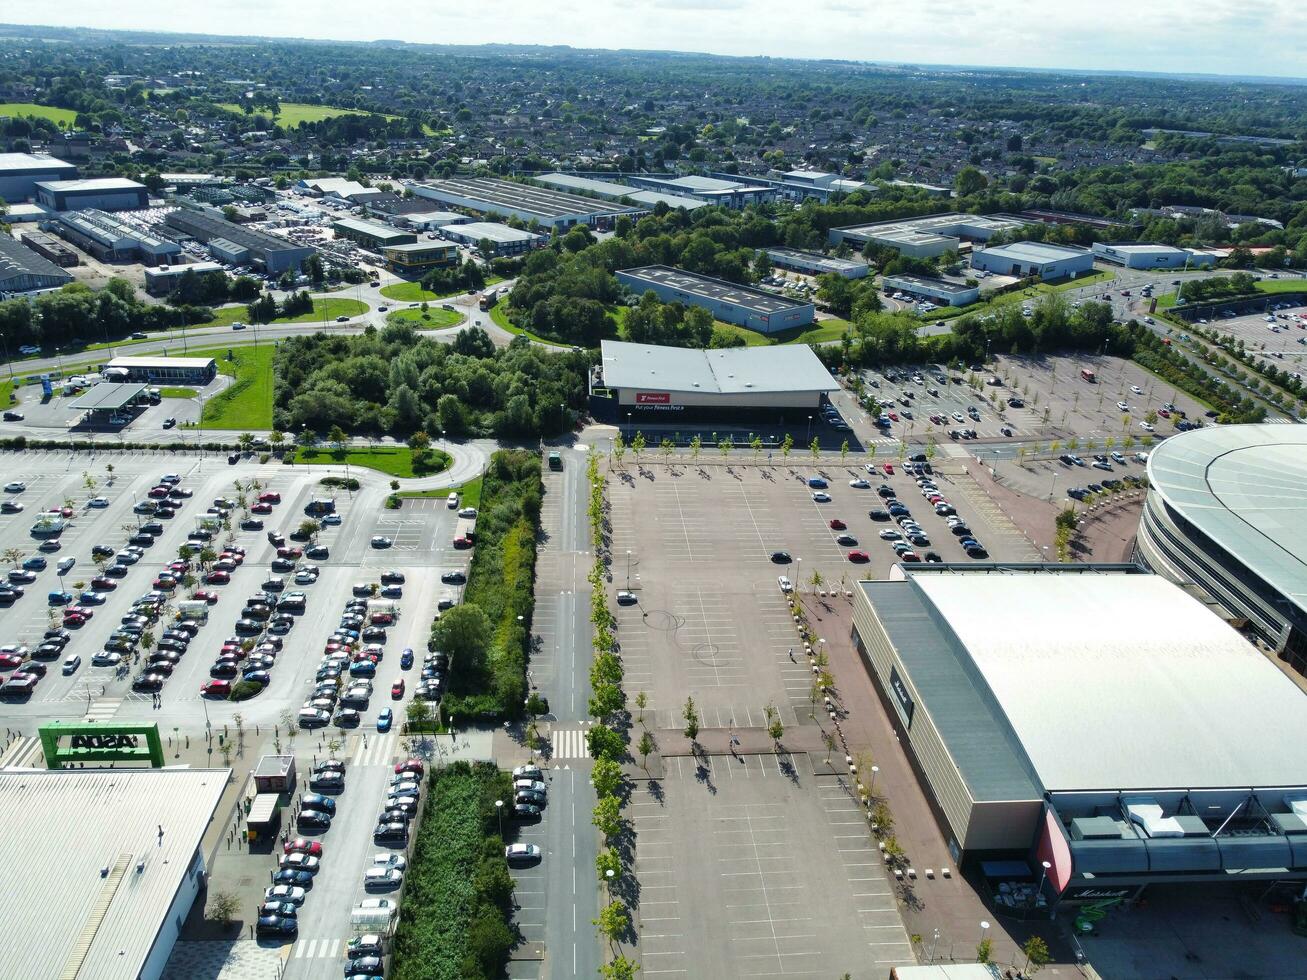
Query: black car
x,y
141,540
392,578
276,926
116,571
374,634
225,669
458,578
152,527
388,832
331,781
318,551
781,557
289,876
252,524
878,515
148,682
283,564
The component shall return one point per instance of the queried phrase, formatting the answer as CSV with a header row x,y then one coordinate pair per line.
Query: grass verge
x,y
433,319
178,392
397,461
499,315
323,310
247,403
469,493
412,292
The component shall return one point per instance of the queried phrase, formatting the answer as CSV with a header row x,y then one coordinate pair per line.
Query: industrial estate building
x,y
773,383
1151,255
371,234
115,869
933,289
1225,515
491,236
163,370
527,202
20,172
816,264
23,270
49,246
816,184
111,239
726,301
272,253
617,192
414,258
927,236
163,279
1164,749
1022,259
101,193
710,190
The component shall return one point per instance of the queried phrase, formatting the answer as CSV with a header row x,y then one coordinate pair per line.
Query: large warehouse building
x,y
927,236
111,239
816,264
669,384
609,190
931,288
509,199
101,193
1225,513
1093,716
23,270
371,234
274,254
1150,255
493,237
727,301
20,172
1021,259
710,190
115,868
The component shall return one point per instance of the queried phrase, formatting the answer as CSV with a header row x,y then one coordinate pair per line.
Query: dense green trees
x,y
465,277
75,315
395,381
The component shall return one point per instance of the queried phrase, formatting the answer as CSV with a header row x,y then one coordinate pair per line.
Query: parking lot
x,y
56,414
1283,339
755,867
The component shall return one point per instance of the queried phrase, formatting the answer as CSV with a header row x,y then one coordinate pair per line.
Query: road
x,y
562,895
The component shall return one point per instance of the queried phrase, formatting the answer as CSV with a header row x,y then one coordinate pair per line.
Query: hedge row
x,y
457,891
501,583
109,443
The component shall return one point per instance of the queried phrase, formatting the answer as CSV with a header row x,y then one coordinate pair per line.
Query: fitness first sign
x,y
657,400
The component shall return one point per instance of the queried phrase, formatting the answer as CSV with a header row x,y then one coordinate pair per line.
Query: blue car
x,y
257,677
36,563
316,801
406,659
90,598
817,483
363,668
60,598
384,718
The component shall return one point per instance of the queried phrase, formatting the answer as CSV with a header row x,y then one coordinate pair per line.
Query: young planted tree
x,y
696,446
613,921
691,715
637,446
815,447
645,747
787,445
641,701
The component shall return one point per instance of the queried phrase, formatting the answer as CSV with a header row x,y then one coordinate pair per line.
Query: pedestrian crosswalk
x,y
568,743
375,750
312,949
101,709
23,752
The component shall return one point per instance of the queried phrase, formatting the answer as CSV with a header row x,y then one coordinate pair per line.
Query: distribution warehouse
x,y
104,193
640,381
23,270
1151,255
927,236
612,191
1022,259
727,301
1161,748
273,253
816,264
493,237
20,172
1225,513
508,199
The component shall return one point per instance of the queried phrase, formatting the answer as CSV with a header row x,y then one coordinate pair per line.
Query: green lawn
x,y
397,462
6,391
433,319
499,314
1282,285
323,310
412,292
62,117
1027,295
247,403
178,392
470,493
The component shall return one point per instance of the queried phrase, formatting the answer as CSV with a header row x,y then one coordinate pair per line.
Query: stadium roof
x,y
717,290
734,370
1242,486
108,396
1037,252
144,825
1118,681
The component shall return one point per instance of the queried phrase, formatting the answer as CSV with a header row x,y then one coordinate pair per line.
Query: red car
x,y
270,497
75,618
217,578
9,661
894,416
888,468
290,553
397,690
158,493
102,584
166,582
179,566
207,596
302,845
261,508
838,525
215,689
1164,413
413,766
232,556
859,557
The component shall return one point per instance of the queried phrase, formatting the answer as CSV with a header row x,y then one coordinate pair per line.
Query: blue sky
x,y
1224,37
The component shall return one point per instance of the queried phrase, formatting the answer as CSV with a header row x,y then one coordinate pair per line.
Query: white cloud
x,y
1215,36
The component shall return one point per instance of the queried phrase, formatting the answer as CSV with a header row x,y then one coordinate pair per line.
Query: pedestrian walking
x,y
791,654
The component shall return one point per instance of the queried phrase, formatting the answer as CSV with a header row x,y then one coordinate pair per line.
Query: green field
x,y
397,462
177,392
291,114
61,117
247,403
412,292
433,319
323,310
6,391
470,493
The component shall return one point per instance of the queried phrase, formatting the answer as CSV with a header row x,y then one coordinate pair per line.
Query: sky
x,y
1221,37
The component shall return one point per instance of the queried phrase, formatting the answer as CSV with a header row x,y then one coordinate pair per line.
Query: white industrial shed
x,y
1041,259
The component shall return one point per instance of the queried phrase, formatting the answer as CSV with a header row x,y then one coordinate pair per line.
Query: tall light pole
x,y
628,569
1043,876
984,928
871,790
499,808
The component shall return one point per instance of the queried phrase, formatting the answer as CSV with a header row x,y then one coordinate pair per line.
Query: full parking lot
x,y
1283,338
752,866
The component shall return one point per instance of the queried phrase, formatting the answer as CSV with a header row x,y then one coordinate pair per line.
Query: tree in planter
x,y
645,747
418,713
276,438
613,921
666,447
309,529
606,701
691,715
756,445
223,908
815,447
844,451
607,817
828,739
637,446
14,556
696,446
620,968
787,446
605,743
607,777
245,440
606,861
108,468
775,727
984,950
619,448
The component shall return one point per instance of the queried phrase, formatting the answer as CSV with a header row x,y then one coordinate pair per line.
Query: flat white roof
x,y
172,362
1125,682
91,184
10,162
733,370
1037,252
77,823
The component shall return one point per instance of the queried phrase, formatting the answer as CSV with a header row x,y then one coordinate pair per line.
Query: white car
x,y
381,541
382,878
785,584
71,664
371,905
890,535
98,502
1136,389
468,512
106,658
305,577
1123,406
384,859
15,487
1146,426
860,484
821,496
1119,457
284,893
522,852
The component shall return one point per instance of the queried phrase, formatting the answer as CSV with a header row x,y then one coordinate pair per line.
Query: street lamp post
x,y
934,941
1043,876
872,789
628,569
810,428
984,928
499,808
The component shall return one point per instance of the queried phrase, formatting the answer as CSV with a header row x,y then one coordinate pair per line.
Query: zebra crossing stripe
x,y
23,753
569,743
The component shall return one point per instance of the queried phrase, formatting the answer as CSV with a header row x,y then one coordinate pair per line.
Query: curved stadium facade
x,y
1227,513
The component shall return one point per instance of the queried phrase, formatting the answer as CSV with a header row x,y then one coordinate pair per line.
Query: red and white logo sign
x,y
653,398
